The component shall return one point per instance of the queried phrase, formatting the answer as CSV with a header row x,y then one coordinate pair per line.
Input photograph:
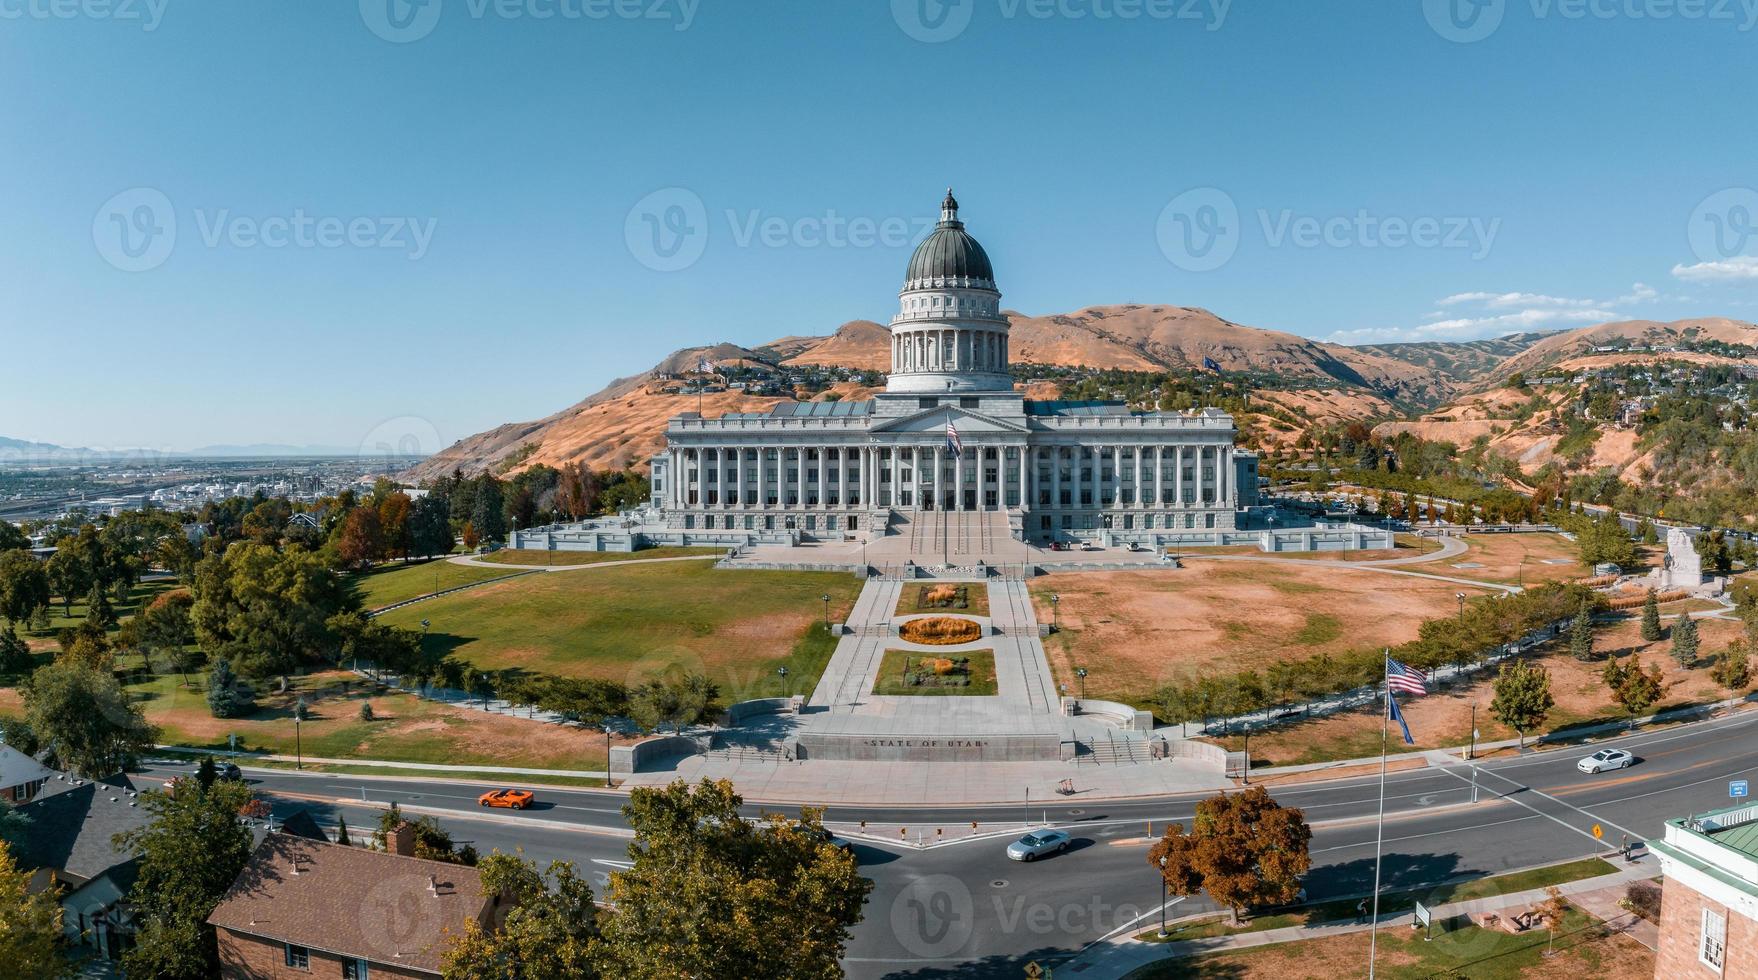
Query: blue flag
x,y
1398,716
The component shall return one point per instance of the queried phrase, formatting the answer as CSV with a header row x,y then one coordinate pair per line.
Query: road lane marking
x,y
1558,820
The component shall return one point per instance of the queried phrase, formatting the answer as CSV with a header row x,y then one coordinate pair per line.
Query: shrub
x,y
940,631
366,711
1643,898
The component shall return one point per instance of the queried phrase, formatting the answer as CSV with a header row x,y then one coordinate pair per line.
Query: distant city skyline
x,y
395,223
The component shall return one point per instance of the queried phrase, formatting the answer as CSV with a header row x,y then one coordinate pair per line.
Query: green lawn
x,y
394,583
967,597
896,662
529,556
1458,949
637,623
1393,902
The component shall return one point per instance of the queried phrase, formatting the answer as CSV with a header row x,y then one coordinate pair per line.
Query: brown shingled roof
x,y
352,902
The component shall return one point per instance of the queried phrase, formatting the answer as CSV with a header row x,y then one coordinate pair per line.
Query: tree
x,y
267,611
11,537
98,609
487,516
195,846
15,654
228,697
677,703
1650,618
360,540
68,577
1733,669
342,837
1581,631
1244,849
24,585
731,898
430,530
1604,540
30,924
1685,640
1522,697
548,934
206,773
1713,550
431,842
166,628
1631,686
393,522
86,717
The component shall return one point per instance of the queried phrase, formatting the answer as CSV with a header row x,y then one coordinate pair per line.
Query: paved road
x,y
962,909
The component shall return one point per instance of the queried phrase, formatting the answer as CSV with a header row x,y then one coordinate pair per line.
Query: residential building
x,y
69,845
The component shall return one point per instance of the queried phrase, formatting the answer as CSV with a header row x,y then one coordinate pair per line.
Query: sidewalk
x,y
246,758
1119,956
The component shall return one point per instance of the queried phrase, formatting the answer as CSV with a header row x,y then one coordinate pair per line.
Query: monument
x,y
1684,567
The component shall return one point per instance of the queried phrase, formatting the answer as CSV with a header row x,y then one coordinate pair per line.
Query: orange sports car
x,y
512,799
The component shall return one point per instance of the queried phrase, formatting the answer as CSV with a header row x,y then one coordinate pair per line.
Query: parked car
x,y
1037,844
1606,759
510,799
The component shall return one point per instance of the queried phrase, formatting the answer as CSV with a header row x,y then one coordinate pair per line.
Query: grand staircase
x,y
981,533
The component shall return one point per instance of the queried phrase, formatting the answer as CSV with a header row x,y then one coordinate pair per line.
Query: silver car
x,y
1037,844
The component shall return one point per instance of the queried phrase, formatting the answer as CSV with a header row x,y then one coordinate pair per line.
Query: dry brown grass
x,y
1135,631
940,631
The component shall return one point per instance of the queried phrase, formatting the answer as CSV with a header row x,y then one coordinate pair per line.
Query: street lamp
x,y
826,598
1163,932
298,745
786,691
1081,672
1461,597
607,731
1055,618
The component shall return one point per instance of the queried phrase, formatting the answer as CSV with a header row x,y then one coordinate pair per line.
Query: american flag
x,y
952,443
1405,679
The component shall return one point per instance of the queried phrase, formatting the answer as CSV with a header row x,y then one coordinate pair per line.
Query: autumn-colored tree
x,y
1244,849
1631,686
30,924
166,629
1733,668
393,522
360,541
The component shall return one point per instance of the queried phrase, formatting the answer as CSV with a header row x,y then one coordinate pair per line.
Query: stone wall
x,y
1034,747
628,759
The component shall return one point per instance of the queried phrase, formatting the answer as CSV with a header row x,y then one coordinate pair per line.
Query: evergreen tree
x,y
1650,618
1581,631
227,697
488,518
99,611
1685,640
342,830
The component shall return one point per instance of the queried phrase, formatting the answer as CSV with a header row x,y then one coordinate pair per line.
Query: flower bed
x,y
907,673
941,630
928,597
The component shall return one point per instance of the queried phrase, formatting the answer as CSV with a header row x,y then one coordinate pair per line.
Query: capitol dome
x,y
950,253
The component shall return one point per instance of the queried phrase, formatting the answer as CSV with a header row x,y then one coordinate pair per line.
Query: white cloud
x,y
1476,315
1740,268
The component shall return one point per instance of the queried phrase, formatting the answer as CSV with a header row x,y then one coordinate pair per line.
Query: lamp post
x,y
1163,934
1081,672
826,598
298,745
1055,612
786,691
1461,597
1471,753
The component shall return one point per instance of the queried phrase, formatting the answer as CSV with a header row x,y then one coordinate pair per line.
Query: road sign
x,y
1424,919
1738,789
1598,832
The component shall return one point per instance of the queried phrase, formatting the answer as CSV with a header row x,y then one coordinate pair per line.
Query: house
x,y
21,777
69,845
1709,906
302,908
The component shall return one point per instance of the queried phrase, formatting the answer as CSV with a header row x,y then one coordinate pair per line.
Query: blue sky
x,y
425,221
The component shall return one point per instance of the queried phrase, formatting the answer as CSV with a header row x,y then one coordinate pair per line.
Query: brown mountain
x,y
1560,347
624,423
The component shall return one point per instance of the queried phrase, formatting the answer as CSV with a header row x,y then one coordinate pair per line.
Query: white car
x,y
1037,844
1606,759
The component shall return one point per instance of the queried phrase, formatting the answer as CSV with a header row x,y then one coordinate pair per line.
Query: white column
x,y
843,476
1159,471
1178,475
1224,475
1055,477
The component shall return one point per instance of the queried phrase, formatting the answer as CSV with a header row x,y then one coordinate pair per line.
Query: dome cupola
x,y
949,333
949,255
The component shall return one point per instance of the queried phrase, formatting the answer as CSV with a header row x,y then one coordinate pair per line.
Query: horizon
x,y
413,244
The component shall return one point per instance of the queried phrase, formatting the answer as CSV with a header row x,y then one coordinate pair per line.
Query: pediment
x,y
934,420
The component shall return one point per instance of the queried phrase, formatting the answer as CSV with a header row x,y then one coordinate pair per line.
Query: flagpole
x,y
1380,827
